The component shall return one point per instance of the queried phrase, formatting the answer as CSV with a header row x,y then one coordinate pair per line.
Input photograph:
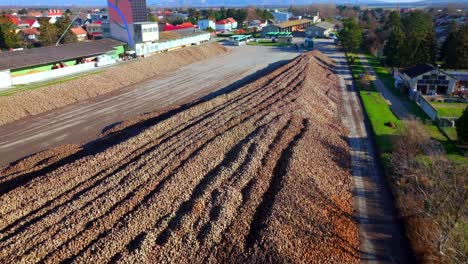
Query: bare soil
x,y
258,175
41,100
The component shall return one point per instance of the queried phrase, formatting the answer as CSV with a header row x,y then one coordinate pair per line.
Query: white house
x,y
223,25
233,22
427,80
206,23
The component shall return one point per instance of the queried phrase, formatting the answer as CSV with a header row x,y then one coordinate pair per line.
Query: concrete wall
x,y
47,75
5,79
424,104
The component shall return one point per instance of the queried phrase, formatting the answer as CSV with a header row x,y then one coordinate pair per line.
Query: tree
x,y
351,35
462,126
62,28
428,49
23,11
393,47
68,11
417,27
8,38
48,34
453,51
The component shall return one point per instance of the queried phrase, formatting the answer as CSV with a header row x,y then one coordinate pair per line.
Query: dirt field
x,y
258,175
42,100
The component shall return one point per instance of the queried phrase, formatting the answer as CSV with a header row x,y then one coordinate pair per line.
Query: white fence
x,y
47,75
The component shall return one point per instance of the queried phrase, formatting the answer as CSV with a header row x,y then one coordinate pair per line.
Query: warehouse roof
x,y
180,33
324,25
45,55
418,70
291,23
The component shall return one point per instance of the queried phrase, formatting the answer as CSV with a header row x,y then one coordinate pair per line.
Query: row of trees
x,y
408,39
49,33
411,41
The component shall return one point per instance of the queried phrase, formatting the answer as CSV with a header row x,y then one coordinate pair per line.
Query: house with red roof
x,y
32,23
223,25
184,25
54,14
29,34
233,22
79,32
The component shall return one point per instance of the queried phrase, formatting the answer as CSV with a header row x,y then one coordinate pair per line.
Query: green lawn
x,y
26,87
377,110
267,43
449,109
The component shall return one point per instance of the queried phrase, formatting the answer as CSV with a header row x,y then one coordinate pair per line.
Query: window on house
x,y
442,77
426,77
433,76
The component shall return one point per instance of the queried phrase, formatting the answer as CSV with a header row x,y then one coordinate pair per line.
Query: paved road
x,y
382,239
84,121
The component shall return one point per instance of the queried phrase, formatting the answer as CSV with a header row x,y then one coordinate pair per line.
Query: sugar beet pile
x,y
257,175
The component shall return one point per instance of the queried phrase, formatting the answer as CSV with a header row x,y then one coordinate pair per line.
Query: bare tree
x,y
432,189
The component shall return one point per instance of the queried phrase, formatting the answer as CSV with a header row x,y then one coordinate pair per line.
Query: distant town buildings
x,y
204,24
281,16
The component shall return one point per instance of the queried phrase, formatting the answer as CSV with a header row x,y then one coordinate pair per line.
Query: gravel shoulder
x,y
381,235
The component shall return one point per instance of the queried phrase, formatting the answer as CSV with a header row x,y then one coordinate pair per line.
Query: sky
x,y
151,2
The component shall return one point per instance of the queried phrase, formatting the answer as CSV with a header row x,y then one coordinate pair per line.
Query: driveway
x,y
84,121
381,235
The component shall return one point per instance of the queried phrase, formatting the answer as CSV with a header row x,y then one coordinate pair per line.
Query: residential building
x,y
233,22
281,16
79,32
122,17
223,25
289,26
204,24
54,15
321,30
94,31
32,22
427,80
29,34
315,17
258,23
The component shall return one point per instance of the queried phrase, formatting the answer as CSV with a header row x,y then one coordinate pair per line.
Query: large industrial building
x,y
124,14
128,23
41,64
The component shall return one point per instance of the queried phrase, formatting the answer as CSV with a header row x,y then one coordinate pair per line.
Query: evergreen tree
x,y
417,27
8,37
48,36
351,35
394,45
448,51
462,126
62,26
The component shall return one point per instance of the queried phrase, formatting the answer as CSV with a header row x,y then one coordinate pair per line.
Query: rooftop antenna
x,y
68,27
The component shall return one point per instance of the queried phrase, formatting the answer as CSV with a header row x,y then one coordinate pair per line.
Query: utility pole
x,y
69,25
